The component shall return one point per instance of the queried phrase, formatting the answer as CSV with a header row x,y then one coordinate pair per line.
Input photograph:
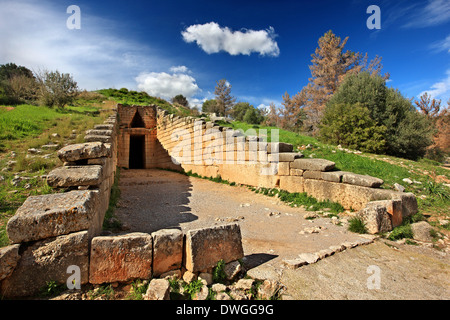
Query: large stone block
x,y
48,260
284,156
167,250
313,164
81,151
273,147
75,176
207,246
361,180
121,258
92,138
9,256
376,218
52,215
292,183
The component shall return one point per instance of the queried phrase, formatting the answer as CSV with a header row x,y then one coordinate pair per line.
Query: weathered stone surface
x,y
292,183
296,172
81,151
280,147
376,218
284,156
394,208
313,164
104,126
268,289
294,263
51,215
421,231
92,138
361,180
283,169
167,250
158,289
205,247
232,269
312,174
309,257
333,176
99,132
75,176
48,260
121,258
189,276
9,256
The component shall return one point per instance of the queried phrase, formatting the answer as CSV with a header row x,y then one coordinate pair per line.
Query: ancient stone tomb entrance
x,y
138,145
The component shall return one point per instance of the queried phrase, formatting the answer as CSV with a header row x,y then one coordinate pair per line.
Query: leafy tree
x,y
351,126
180,99
56,88
210,106
17,83
407,133
253,116
224,99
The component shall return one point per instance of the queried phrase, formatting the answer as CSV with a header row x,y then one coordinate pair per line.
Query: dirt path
x,y
271,231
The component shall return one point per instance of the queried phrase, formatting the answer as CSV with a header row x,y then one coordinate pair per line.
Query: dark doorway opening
x,y
137,152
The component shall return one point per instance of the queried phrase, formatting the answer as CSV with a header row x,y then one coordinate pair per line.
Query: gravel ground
x,y
272,231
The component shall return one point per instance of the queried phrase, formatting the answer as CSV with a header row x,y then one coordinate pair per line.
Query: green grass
x,y
432,197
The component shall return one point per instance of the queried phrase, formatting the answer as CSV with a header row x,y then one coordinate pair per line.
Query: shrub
x,y
407,133
56,88
352,127
357,225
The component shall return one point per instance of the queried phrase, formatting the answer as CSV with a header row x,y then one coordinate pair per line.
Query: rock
x,y
33,151
280,147
50,146
158,289
309,257
284,156
268,289
100,138
222,296
375,218
75,176
207,246
48,260
244,284
218,287
202,294
325,253
232,269
362,180
310,215
238,295
172,274
399,187
189,276
9,257
206,278
51,215
313,164
81,151
167,250
421,231
121,258
407,180
294,263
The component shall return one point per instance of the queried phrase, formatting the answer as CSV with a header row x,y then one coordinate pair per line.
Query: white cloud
x,y
34,34
440,90
443,45
164,85
179,69
212,39
436,12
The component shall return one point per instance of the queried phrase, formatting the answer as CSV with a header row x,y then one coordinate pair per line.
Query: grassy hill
x,y
428,177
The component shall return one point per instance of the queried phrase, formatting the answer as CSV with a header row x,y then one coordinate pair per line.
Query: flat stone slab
x,y
81,151
96,137
313,164
284,156
52,215
361,180
167,250
75,176
207,246
99,132
273,147
48,260
121,258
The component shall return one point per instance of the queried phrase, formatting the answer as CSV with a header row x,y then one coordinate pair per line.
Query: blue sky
x,y
263,48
